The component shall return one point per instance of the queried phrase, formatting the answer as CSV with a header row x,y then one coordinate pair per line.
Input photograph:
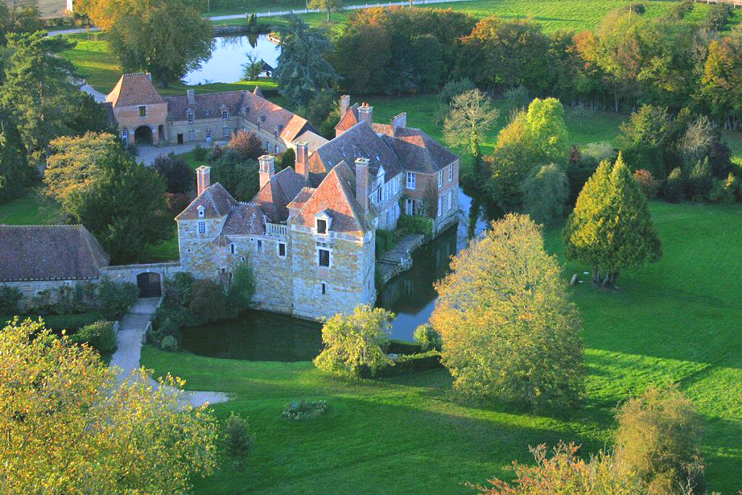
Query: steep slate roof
x,y
49,252
255,106
349,119
300,200
245,218
275,195
217,202
335,196
207,105
360,141
134,89
313,139
416,150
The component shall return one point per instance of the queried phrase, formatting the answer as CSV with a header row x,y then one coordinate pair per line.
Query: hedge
x,y
415,224
69,322
411,363
402,347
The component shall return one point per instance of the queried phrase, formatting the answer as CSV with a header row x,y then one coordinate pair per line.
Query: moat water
x,y
262,336
229,54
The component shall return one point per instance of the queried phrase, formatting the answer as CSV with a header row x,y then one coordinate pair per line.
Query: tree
x,y
15,172
167,38
509,331
611,228
19,16
659,440
242,288
353,343
248,144
545,192
238,176
252,68
327,5
644,139
74,162
39,89
470,116
208,302
323,111
546,129
303,68
123,207
178,176
89,116
83,431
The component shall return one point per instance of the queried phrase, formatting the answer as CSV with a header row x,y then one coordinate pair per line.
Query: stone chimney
x,y
399,122
191,96
362,183
301,165
267,169
344,105
203,178
366,113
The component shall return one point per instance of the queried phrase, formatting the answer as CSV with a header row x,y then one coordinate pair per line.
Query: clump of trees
x,y
611,227
82,430
353,343
505,292
238,175
179,177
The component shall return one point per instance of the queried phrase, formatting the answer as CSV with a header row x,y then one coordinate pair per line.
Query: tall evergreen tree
x,y
611,228
14,170
303,69
39,89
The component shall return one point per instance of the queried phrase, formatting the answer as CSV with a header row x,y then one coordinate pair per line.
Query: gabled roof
x,y
243,219
360,141
312,139
49,252
217,202
335,196
273,117
277,193
206,106
134,89
417,151
349,119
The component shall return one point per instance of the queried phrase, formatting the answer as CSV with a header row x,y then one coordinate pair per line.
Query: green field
x,y
676,321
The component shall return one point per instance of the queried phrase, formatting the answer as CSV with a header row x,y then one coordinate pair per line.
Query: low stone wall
x,y
128,273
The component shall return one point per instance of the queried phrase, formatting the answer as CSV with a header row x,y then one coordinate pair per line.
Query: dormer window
x,y
225,114
321,226
142,110
200,212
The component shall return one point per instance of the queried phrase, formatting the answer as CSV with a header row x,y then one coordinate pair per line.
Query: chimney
x,y
399,122
267,169
191,96
203,178
366,113
301,165
362,183
344,105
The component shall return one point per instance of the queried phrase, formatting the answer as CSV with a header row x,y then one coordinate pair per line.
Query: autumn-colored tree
x,y
722,78
509,331
70,427
353,343
329,6
248,144
611,227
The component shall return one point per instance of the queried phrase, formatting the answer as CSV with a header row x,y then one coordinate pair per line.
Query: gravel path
x,y
128,354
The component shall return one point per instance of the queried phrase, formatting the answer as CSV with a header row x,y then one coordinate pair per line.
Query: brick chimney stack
x,y
301,165
267,169
399,122
366,113
362,183
344,105
203,178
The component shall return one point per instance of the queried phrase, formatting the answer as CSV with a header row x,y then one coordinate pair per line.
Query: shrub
x,y
718,16
199,153
724,191
545,191
116,298
384,241
10,298
99,335
178,289
237,438
636,8
395,346
169,343
659,439
428,338
288,159
176,202
411,363
208,302
415,224
179,315
242,288
353,343
648,184
302,410
178,176
246,144
674,190
700,181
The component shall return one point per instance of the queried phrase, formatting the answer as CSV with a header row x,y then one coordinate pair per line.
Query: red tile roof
x,y
134,89
216,201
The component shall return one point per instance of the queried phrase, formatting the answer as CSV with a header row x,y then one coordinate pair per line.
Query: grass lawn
x,y
33,209
71,322
676,321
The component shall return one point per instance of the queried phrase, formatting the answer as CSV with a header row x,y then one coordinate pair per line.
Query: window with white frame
x,y
321,226
323,257
411,180
191,117
225,132
200,211
450,199
396,184
282,249
440,179
409,207
225,114
440,205
450,173
191,135
201,227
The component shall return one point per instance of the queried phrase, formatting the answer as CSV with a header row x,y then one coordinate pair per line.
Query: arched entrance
x,y
143,135
149,284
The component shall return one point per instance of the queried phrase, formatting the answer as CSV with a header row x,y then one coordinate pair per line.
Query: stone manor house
x,y
309,233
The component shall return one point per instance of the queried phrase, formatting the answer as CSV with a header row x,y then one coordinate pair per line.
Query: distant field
x,y
52,8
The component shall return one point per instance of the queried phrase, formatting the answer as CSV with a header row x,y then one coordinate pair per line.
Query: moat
x,y
262,336
228,56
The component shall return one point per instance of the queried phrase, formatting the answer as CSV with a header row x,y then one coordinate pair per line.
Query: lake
x,y
228,56
262,336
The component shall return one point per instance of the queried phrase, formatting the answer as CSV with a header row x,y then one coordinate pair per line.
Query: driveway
x,y
147,154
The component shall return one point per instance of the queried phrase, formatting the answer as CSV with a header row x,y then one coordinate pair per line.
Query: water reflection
x,y
228,56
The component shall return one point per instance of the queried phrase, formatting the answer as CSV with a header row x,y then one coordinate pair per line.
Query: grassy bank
x,y
676,321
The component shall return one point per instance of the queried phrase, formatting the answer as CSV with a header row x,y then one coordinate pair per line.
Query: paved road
x,y
129,352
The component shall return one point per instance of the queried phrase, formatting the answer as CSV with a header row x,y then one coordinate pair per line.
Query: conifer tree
x,y
611,228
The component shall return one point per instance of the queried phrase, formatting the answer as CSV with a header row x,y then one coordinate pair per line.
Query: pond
x,y
262,336
228,56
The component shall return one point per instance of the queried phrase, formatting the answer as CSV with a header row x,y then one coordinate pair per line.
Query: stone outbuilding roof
x,y
272,118
132,90
206,105
49,252
216,201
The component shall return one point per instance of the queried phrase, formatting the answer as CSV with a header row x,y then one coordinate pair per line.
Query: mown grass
x,y
676,321
32,209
